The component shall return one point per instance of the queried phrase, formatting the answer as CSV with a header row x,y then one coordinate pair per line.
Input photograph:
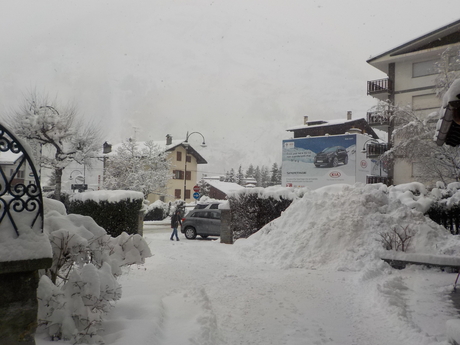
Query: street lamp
x,y
186,144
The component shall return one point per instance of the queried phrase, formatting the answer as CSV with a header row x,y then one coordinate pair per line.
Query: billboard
x,y
320,161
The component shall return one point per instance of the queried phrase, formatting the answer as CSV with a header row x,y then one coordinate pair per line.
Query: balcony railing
x,y
379,118
379,86
370,179
376,150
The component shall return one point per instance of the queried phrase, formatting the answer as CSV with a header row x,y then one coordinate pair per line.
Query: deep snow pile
x,y
340,226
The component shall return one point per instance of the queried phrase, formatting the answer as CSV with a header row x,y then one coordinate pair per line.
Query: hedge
x,y
115,216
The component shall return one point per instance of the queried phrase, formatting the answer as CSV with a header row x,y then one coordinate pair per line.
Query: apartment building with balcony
x,y
411,77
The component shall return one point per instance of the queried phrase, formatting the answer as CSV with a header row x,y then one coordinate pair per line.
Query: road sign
x,y
196,195
196,188
80,187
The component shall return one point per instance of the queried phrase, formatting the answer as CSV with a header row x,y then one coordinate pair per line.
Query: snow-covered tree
x,y
412,140
230,176
265,176
240,176
56,133
448,69
144,168
276,175
250,171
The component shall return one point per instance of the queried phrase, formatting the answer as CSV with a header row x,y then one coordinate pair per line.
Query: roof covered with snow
x,y
225,187
9,157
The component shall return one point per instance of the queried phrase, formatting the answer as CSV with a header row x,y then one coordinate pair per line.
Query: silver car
x,y
203,222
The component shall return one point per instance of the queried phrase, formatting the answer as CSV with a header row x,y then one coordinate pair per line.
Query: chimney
x,y
349,114
168,139
305,119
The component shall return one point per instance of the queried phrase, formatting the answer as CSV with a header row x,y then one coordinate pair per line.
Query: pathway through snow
x,y
200,292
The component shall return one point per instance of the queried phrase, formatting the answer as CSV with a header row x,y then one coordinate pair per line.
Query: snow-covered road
x,y
203,292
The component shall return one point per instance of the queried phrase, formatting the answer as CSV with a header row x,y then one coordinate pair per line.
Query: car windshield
x,y
330,149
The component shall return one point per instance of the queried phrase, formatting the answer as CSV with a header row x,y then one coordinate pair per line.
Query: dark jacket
x,y
176,220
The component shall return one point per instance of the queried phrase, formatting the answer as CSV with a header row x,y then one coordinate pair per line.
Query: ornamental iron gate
x,y
21,201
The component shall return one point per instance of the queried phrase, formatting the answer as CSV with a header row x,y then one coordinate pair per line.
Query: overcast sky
x,y
238,71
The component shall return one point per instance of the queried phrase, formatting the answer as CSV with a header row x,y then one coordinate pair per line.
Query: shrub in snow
x,y
81,286
255,207
158,210
398,239
115,211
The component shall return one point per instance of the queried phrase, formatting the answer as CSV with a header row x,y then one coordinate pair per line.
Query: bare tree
x,y
56,133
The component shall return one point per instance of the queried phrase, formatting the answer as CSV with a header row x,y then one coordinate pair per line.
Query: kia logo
x,y
335,174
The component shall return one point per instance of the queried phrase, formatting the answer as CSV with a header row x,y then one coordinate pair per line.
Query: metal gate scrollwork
x,y
21,201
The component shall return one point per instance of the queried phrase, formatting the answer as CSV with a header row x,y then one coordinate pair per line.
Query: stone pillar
x,y
140,223
18,300
226,233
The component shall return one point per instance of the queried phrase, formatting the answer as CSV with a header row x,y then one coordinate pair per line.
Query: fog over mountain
x,y
240,72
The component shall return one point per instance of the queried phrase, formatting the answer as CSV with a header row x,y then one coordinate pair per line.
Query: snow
x,y
312,276
108,195
452,94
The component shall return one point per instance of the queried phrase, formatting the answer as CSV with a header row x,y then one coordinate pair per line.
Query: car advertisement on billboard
x,y
319,161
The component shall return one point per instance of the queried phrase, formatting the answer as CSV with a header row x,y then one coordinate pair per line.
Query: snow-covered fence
x,y
116,211
253,208
24,249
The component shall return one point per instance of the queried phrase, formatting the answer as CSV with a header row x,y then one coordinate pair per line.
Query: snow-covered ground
x,y
312,276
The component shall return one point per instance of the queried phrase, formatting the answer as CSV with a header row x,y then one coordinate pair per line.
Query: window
x,y
178,156
187,194
428,101
420,69
177,193
188,175
188,158
178,174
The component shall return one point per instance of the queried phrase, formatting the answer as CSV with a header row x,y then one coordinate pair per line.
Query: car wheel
x,y
190,233
334,162
317,165
345,161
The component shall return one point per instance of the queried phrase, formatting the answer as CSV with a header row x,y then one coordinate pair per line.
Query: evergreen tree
x,y
276,175
240,176
265,176
250,172
258,176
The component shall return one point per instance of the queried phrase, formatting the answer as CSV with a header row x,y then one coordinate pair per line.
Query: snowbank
x,y
339,227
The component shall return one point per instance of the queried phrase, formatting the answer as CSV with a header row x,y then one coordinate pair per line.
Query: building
x,y
220,189
411,70
332,127
15,169
184,161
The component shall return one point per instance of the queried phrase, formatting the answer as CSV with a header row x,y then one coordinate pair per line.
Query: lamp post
x,y
106,149
186,145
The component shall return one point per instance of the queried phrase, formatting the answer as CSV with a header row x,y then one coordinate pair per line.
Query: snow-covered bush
x,y
116,211
81,286
255,207
157,210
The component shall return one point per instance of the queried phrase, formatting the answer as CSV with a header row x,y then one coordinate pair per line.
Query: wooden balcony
x,y
379,86
374,150
379,119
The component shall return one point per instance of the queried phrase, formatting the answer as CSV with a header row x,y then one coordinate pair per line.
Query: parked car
x,y
202,222
331,156
211,205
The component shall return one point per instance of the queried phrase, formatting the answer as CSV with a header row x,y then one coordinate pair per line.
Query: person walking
x,y
175,222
